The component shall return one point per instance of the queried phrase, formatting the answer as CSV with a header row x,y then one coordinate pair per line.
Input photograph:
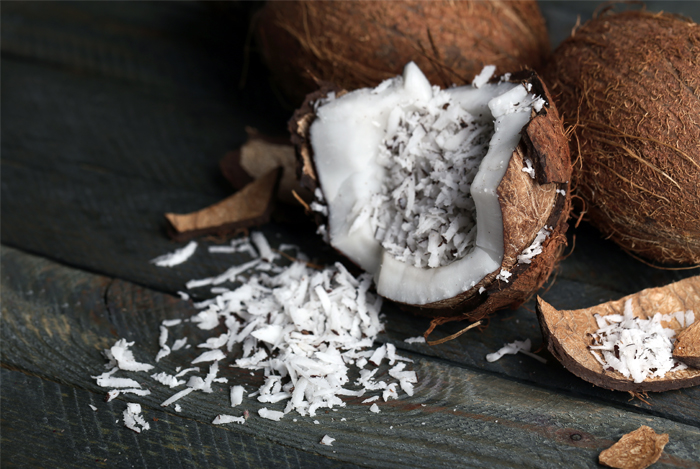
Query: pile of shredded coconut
x,y
303,328
637,348
425,215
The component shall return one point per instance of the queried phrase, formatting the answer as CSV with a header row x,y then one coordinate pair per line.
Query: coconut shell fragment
x,y
687,347
628,84
251,206
568,335
636,450
259,155
360,44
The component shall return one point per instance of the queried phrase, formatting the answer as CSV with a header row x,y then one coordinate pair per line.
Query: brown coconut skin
x,y
630,83
360,44
527,205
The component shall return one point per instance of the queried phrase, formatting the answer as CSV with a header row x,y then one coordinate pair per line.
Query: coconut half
x,y
456,200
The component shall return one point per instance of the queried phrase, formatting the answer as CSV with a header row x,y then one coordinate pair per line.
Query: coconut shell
x,y
630,82
359,44
567,335
636,450
527,205
687,347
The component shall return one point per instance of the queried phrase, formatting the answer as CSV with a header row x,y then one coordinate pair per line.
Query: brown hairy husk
x,y
359,44
527,205
629,84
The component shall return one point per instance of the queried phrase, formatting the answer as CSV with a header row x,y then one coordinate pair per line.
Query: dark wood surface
x,y
115,113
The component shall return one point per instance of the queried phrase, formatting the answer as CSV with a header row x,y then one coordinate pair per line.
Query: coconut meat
x,y
410,172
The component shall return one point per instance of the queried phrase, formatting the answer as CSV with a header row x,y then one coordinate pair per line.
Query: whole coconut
x,y
630,82
360,44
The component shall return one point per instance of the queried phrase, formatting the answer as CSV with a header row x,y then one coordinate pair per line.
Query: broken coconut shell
x,y
527,204
687,346
256,157
360,44
636,450
629,84
567,333
250,206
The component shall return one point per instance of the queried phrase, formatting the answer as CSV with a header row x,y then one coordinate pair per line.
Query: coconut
x,y
630,82
456,200
359,44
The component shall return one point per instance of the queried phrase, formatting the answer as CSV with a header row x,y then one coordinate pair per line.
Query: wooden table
x,y
114,113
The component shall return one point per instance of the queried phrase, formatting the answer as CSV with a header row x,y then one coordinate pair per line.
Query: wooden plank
x,y
93,155
46,424
457,416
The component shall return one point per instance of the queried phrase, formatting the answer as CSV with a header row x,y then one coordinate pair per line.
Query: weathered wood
x,y
115,113
46,424
457,415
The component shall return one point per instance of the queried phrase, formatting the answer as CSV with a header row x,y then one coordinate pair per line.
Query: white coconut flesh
x,y
410,172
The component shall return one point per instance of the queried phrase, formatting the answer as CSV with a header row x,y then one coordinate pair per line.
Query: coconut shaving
x,y
425,215
304,328
637,348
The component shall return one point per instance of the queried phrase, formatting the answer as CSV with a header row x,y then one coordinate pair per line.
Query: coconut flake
x,y
236,395
223,419
92,407
176,257
327,440
133,419
265,251
513,348
270,414
212,355
504,275
106,380
528,168
535,248
374,408
484,76
167,380
415,340
123,357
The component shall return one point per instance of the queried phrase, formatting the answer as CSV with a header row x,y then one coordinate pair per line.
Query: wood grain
x,y
457,414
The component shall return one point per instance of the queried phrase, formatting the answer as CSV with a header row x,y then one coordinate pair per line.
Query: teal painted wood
x,y
46,424
56,320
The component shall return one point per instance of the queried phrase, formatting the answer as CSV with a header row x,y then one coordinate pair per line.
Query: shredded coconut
x,y
223,418
121,356
482,78
504,275
425,215
513,348
528,168
535,248
415,340
176,257
304,328
236,395
133,418
634,347
270,414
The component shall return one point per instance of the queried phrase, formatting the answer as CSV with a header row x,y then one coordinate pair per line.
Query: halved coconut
x,y
456,200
